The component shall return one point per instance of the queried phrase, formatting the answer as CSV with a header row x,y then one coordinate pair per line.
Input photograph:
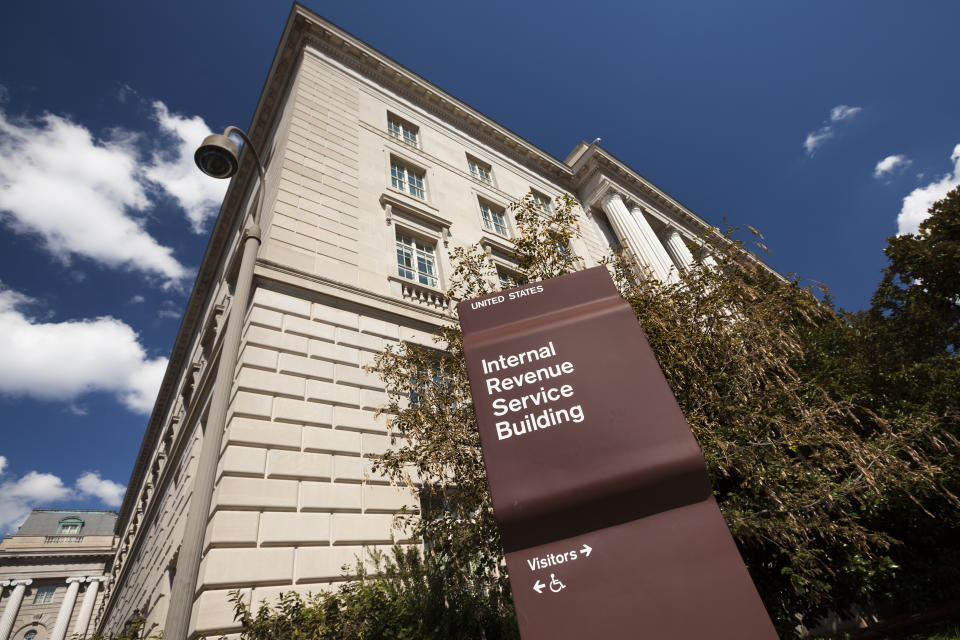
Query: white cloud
x,y
199,195
137,299
17,497
35,489
77,410
918,202
842,112
887,165
62,360
125,92
42,487
815,139
109,492
77,194
143,383
170,309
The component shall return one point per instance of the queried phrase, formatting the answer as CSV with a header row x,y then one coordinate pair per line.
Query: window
x,y
416,261
542,200
30,635
44,595
479,170
493,218
426,383
402,130
508,278
69,526
407,179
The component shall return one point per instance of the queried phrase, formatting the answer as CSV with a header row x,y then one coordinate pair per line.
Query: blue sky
x,y
827,126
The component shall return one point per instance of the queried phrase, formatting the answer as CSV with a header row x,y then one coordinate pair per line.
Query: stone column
x,y
707,259
13,605
639,238
664,264
86,607
66,609
678,250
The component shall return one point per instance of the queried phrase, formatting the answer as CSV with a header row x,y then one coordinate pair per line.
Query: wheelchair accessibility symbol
x,y
554,585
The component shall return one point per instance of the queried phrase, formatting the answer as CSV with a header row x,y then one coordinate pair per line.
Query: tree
x,y
800,474
919,296
899,360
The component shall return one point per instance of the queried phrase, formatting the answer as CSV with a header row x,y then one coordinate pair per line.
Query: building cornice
x,y
9,557
594,159
360,57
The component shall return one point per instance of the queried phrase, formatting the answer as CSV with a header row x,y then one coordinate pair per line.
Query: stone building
x,y
51,572
372,175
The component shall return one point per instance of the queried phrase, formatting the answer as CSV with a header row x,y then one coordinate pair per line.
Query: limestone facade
x,y
51,573
365,162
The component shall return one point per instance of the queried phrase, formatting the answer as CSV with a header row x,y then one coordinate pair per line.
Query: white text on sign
x,y
539,399
553,559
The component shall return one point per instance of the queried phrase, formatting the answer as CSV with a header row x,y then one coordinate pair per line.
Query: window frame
x,y
543,200
403,130
397,163
492,225
417,276
68,523
481,169
514,279
44,594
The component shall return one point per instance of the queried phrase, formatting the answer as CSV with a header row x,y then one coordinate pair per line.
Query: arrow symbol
x,y
539,587
586,550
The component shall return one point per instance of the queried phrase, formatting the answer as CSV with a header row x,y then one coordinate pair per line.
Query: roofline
x,y
75,511
364,55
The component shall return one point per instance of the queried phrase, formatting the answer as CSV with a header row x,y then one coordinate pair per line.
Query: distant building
x,y
372,175
51,572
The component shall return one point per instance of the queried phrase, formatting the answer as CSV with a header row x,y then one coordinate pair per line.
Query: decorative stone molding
x,y
420,294
425,212
491,242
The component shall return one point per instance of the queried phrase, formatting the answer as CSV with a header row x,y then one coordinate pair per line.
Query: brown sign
x,y
600,489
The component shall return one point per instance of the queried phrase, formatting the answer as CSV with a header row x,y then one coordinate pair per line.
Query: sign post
x,y
601,492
